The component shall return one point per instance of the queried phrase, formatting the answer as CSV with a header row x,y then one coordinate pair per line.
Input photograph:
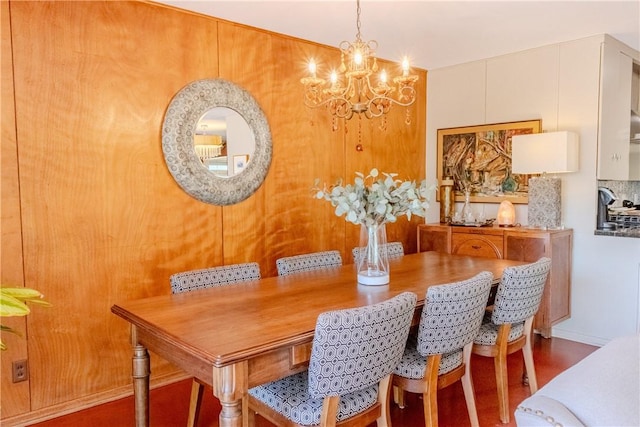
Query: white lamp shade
x,y
549,152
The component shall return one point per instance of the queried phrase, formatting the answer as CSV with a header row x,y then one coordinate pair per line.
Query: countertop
x,y
621,232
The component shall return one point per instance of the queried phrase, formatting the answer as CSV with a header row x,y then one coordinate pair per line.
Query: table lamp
x,y
544,153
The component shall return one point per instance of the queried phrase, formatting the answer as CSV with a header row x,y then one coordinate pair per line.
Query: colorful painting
x,y
478,158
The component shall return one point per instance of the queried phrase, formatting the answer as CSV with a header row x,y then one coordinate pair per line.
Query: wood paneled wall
x,y
98,217
15,397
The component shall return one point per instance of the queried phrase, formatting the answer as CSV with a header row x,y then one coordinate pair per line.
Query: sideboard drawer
x,y
476,245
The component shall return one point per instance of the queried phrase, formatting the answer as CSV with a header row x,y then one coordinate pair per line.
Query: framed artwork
x,y
239,163
478,158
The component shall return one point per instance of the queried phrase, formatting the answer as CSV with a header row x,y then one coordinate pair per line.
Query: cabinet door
x,y
615,106
556,299
477,245
529,248
525,247
434,238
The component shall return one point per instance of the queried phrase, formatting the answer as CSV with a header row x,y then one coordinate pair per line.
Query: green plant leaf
x,y
25,295
21,293
10,306
13,303
40,302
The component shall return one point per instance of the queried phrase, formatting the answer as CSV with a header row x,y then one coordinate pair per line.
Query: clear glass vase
x,y
373,260
467,212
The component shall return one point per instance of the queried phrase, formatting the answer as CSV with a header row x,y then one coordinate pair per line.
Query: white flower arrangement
x,y
374,199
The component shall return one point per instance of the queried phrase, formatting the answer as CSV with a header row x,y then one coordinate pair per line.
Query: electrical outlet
x,y
20,371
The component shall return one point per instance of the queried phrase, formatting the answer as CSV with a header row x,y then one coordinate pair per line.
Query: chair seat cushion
x,y
413,364
488,334
290,397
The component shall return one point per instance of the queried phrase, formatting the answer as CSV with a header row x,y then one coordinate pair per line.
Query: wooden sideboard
x,y
515,243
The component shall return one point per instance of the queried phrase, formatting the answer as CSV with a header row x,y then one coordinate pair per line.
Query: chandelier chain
x,y
358,20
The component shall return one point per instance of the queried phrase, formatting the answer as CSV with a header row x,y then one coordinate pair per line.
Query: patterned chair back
x,y
520,292
215,276
308,262
355,348
394,250
452,314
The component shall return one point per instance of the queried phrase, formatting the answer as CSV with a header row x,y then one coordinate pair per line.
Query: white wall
x,y
560,85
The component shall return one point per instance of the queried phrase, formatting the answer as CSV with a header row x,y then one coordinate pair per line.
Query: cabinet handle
x,y
475,246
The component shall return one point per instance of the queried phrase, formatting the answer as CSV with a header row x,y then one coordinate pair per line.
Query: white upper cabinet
x,y
635,89
634,152
615,161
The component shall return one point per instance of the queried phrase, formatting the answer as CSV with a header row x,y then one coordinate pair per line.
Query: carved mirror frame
x,y
180,122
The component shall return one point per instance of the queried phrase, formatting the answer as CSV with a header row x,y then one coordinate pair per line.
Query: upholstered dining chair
x,y
308,262
440,353
394,250
208,278
507,326
353,355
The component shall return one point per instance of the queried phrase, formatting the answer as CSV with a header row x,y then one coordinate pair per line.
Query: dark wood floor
x,y
169,404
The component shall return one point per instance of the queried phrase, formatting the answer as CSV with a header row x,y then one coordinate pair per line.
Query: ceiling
x,y
435,33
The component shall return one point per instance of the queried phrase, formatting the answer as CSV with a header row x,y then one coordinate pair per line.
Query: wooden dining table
x,y
239,336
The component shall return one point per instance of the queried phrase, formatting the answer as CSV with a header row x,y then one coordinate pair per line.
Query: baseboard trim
x,y
76,405
584,339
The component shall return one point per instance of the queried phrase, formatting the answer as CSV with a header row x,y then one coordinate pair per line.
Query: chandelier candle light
x,y
350,89
372,201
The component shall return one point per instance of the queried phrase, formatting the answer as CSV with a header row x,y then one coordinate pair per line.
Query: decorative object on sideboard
x,y
506,214
545,153
372,201
447,200
350,89
467,212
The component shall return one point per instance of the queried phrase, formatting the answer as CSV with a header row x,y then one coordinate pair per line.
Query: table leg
x,y
230,387
140,373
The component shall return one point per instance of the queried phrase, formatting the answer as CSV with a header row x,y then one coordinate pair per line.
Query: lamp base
x,y
545,202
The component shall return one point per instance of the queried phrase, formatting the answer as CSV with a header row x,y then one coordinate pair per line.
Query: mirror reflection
x,y
224,142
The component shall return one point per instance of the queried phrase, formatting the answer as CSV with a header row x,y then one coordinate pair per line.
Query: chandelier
x,y
350,89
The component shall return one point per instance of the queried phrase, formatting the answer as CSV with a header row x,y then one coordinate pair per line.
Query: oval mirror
x,y
216,141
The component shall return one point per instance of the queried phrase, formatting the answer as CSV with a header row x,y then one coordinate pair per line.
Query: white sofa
x,y
601,390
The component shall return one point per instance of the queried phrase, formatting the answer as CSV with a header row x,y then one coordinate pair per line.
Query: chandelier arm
x,y
340,108
408,93
325,102
379,106
374,91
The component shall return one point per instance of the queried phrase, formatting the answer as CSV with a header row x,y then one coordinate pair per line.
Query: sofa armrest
x,y
541,410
